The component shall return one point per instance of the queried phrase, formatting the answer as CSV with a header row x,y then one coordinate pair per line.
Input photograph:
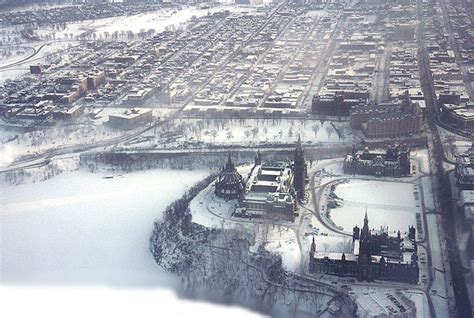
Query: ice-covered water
x,y
81,228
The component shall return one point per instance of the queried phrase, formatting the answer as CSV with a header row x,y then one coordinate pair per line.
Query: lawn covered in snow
x,y
81,228
389,204
42,140
253,131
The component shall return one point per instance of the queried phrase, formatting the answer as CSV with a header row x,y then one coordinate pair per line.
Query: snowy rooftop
x,y
469,212
132,113
269,178
467,197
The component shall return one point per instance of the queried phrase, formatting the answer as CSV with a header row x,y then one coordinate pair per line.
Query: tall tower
x,y
404,161
313,247
258,158
311,256
364,243
299,170
365,256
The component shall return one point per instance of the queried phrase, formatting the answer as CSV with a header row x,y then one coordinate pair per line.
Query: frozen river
x,y
80,228
70,237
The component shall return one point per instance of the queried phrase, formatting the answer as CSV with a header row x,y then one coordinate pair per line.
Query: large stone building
x,y
467,206
394,162
271,189
387,120
459,115
375,256
465,170
131,118
269,192
337,104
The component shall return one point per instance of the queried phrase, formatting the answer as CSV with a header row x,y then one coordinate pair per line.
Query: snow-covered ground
x,y
213,212
80,228
441,281
156,20
390,205
281,240
382,301
50,138
253,131
13,54
15,68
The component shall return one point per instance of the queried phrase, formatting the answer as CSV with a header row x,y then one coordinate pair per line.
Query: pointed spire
x,y
354,151
365,229
258,158
313,246
299,148
229,166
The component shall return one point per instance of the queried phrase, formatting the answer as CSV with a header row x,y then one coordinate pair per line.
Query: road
x,y
455,46
452,259
381,79
282,72
317,78
427,242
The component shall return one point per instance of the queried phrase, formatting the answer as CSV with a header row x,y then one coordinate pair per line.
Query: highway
x,y
442,191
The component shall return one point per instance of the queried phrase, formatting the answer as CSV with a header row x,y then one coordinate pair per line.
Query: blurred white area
x,y
79,302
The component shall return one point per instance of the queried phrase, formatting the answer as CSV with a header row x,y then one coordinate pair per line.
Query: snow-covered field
x,y
256,131
14,68
157,20
281,240
43,140
389,204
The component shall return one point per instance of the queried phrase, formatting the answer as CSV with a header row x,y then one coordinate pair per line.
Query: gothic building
x,y
375,256
394,162
299,169
392,119
229,184
270,190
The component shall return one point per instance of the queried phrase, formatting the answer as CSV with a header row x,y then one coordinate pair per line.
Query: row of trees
x,y
173,238
202,128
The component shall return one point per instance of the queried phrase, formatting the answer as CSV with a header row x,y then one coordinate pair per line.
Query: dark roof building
x,y
229,184
375,256
465,170
394,162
